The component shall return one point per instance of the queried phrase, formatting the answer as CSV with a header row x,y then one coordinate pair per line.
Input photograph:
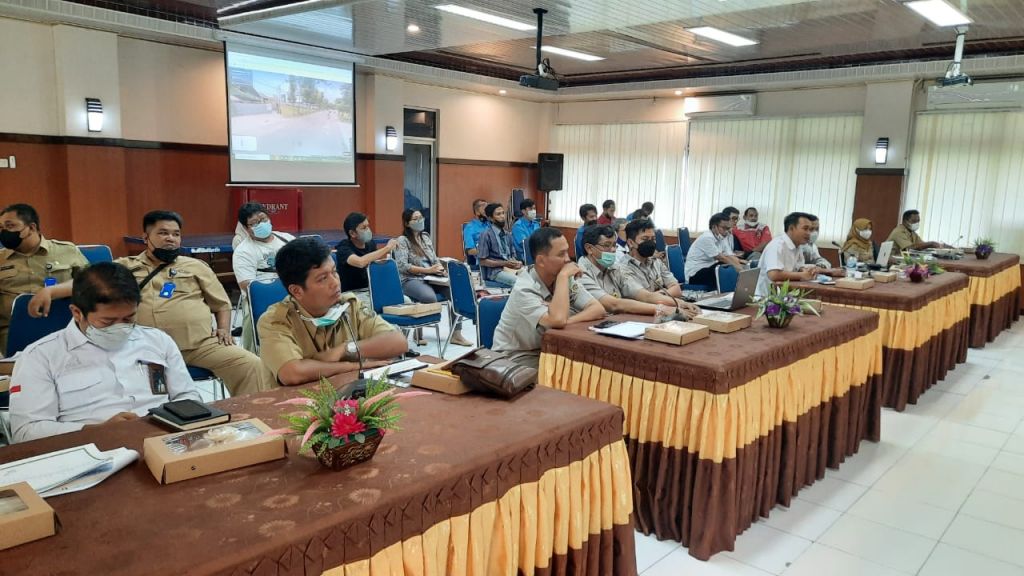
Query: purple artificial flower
x,y
794,310
772,309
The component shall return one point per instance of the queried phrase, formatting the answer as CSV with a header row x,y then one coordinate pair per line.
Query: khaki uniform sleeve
x,y
78,261
213,291
901,238
278,345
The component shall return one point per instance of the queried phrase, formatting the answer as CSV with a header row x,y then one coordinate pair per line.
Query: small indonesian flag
x,y
15,389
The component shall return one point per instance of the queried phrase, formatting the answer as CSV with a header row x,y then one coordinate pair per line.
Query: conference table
x,y
994,286
470,485
924,329
721,430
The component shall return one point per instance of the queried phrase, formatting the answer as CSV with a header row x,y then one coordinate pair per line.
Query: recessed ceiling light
x,y
502,92
679,92
722,36
412,29
569,53
485,17
940,13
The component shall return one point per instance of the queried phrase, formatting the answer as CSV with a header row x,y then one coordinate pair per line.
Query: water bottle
x,y
851,265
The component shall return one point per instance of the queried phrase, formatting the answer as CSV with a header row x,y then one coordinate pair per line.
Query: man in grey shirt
x,y
548,296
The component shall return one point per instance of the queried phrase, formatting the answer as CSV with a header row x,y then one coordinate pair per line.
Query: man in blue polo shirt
x,y
472,230
526,224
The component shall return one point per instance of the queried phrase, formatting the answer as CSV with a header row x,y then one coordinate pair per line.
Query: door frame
x,y
432,142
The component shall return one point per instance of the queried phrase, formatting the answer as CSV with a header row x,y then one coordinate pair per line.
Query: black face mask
x,y
10,239
647,248
482,218
167,255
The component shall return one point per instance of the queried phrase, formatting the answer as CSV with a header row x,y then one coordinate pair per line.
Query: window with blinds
x,y
965,175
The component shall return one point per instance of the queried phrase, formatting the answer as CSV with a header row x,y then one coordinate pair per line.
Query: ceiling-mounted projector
x,y
544,79
954,77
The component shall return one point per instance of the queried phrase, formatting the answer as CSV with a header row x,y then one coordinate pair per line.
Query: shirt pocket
x,y
78,390
62,272
185,284
8,271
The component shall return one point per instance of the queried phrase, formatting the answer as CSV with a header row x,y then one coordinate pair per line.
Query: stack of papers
x,y
631,330
67,471
438,280
399,373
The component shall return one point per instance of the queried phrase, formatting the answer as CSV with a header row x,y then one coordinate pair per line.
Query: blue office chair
x,y
260,295
874,254
659,240
578,245
727,276
489,312
527,255
683,239
386,290
96,253
203,375
470,259
676,262
25,329
317,236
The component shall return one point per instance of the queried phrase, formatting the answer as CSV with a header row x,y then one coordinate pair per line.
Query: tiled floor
x,y
941,495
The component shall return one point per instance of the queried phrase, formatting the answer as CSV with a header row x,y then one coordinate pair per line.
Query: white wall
x,y
888,112
86,67
28,90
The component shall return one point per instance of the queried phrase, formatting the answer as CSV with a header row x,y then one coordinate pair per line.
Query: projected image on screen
x,y
291,120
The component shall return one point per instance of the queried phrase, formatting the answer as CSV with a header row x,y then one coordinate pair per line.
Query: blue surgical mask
x,y
417,225
607,259
531,215
262,230
366,236
327,320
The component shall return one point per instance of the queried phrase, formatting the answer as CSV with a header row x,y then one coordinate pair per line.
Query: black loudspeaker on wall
x,y
549,171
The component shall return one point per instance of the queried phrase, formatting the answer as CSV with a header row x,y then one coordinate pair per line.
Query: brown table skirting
x,y
987,322
995,286
910,373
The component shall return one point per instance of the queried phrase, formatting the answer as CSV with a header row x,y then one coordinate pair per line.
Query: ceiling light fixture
x,y
569,53
502,92
679,92
412,29
485,17
722,36
882,151
939,12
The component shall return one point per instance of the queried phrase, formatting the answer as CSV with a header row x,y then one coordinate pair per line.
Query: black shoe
x,y
411,353
237,332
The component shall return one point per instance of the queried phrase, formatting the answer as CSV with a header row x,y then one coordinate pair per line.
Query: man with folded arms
x,y
644,266
101,368
604,279
548,296
305,336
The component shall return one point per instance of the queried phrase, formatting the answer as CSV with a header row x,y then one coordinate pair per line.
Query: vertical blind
x,y
965,176
777,165
629,163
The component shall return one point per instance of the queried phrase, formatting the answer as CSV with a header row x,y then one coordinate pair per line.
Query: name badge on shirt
x,y
157,378
49,281
168,290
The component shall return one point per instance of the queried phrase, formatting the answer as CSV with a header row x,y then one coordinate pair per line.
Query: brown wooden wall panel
x,y
878,198
40,179
97,194
326,208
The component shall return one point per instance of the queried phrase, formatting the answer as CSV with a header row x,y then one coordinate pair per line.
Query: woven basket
x,y
350,453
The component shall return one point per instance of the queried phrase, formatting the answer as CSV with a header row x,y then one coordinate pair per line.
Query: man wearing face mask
x,y
710,250
496,251
647,269
179,294
29,261
905,236
304,336
618,293
548,296
356,252
527,224
472,230
811,256
253,259
101,368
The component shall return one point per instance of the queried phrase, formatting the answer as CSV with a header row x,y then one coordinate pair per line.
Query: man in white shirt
x,y
254,258
101,368
811,256
781,259
710,250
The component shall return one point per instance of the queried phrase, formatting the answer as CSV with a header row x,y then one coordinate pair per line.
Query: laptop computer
x,y
740,298
884,253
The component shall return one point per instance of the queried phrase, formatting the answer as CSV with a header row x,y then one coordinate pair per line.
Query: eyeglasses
x,y
259,221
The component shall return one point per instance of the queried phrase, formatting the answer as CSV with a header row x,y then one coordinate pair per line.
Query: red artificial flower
x,y
345,424
346,406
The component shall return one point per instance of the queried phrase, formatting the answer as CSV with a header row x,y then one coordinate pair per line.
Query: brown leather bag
x,y
493,373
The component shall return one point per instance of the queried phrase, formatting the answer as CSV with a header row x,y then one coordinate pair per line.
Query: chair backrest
x,y
317,236
683,239
470,259
659,240
96,253
385,284
25,329
489,315
676,262
578,244
261,295
460,281
526,251
727,276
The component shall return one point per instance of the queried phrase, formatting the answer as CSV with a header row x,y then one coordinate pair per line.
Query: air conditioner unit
x,y
982,95
712,106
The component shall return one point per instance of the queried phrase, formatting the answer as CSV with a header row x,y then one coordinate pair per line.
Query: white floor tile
x,y
986,538
833,493
1015,444
880,544
870,463
1002,483
803,519
932,479
949,560
649,550
768,549
955,431
1009,462
903,514
906,429
821,560
996,508
975,417
680,562
956,449
934,404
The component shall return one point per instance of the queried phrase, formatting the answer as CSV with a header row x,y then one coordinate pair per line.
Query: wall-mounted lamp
x,y
94,114
882,151
391,138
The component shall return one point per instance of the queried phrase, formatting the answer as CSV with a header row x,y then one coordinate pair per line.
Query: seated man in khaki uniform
x,y
905,236
28,261
305,336
179,294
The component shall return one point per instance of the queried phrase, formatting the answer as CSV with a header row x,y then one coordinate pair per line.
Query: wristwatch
x,y
351,351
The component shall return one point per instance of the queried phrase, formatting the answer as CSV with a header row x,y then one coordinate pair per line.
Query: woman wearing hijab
x,y
416,259
858,242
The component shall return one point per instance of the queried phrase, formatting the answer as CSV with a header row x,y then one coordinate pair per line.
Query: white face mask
x,y
750,223
328,319
531,215
865,234
110,338
913,227
814,237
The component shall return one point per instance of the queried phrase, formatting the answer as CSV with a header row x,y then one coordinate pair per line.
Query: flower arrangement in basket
x,y
783,303
342,431
983,248
918,270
